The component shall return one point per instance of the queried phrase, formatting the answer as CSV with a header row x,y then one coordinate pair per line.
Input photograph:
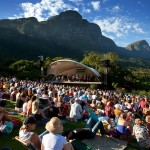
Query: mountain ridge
x,y
66,34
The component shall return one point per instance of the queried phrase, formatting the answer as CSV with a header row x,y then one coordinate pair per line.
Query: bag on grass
x,y
7,127
78,145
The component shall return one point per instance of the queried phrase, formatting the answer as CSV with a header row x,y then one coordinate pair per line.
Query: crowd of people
x,y
124,116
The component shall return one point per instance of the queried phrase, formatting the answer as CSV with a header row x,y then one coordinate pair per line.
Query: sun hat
x,y
54,125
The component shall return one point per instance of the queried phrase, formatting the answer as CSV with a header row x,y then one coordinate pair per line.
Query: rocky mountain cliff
x,y
66,35
140,49
141,45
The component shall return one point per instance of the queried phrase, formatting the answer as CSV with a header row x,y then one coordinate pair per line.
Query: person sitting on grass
x,y
37,113
4,115
76,111
86,133
51,111
141,134
54,140
24,112
147,124
123,128
26,134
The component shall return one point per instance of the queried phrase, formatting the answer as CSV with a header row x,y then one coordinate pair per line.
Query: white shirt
x,y
17,95
76,110
25,136
53,141
103,118
50,94
75,94
94,96
25,107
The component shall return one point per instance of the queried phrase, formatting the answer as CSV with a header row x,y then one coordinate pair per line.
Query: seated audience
x,y
148,124
89,132
141,134
26,134
76,111
4,115
51,111
93,105
122,126
53,140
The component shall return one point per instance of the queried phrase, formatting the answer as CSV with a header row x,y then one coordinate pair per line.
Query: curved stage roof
x,y
70,67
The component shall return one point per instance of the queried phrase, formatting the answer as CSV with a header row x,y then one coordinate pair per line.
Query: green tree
x,y
25,69
92,59
113,57
47,62
120,77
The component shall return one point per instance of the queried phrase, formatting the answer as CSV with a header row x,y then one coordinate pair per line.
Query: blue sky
x,y
124,21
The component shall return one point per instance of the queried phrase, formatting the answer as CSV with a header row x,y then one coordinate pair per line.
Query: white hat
x,y
118,106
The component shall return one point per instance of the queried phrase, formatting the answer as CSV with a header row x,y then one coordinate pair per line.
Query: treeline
x,y
118,76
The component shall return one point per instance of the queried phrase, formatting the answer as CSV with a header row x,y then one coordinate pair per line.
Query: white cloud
x,y
118,26
114,9
109,36
96,5
86,10
77,2
140,3
104,1
76,9
137,28
122,43
44,9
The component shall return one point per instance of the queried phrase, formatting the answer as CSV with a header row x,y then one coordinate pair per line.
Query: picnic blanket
x,y
105,143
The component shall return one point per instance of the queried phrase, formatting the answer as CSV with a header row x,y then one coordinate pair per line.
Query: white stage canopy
x,y
70,67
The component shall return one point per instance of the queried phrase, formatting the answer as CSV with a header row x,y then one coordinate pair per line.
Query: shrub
x,y
93,86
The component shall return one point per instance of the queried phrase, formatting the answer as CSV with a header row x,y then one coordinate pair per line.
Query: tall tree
x,y
25,69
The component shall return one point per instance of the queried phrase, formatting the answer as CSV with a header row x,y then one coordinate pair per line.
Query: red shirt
x,y
143,104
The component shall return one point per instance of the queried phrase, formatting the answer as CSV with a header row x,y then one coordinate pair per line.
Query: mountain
x,y
139,49
66,35
138,46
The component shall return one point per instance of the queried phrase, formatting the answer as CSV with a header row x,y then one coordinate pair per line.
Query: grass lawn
x,y
9,140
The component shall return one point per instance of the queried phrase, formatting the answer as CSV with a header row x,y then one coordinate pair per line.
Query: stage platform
x,y
77,82
81,84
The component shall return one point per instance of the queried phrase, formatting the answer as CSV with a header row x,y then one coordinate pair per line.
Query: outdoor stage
x,y
81,84
77,82
69,72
